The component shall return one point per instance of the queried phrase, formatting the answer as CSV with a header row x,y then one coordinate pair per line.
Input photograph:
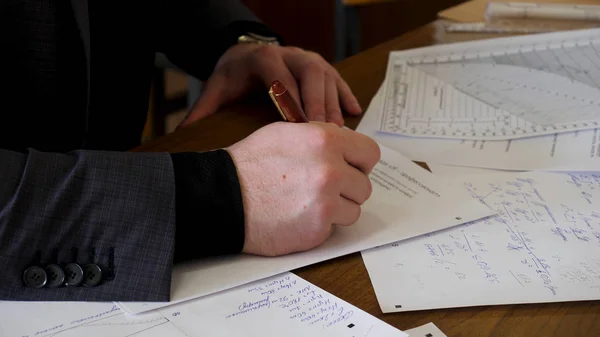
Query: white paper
x,y
49,318
458,173
400,207
427,330
283,305
573,151
528,11
498,89
544,246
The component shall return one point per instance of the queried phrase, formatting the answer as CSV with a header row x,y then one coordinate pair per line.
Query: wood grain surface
x,y
346,277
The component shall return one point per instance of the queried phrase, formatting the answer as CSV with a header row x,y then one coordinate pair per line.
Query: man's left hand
x,y
313,82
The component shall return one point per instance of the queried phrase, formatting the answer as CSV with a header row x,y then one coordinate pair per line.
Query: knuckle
x,y
265,53
366,193
316,111
294,49
328,177
375,153
332,72
322,139
335,112
313,67
315,56
369,189
336,117
324,213
356,214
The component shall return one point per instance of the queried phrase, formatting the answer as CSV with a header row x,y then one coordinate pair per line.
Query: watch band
x,y
259,39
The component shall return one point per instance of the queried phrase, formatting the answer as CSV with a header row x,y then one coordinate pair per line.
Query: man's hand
x,y
312,81
298,180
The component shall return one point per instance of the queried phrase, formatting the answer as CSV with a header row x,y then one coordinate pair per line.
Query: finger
x,y
356,186
332,102
349,101
360,150
270,67
209,101
347,213
312,90
311,76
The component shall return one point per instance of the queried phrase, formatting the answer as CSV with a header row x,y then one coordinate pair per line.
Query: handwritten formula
x,y
306,303
283,305
542,246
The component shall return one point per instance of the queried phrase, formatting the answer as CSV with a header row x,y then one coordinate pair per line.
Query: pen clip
x,y
287,106
276,102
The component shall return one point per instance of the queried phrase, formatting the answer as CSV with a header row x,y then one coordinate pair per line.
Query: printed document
x,y
572,151
543,246
497,89
400,207
283,305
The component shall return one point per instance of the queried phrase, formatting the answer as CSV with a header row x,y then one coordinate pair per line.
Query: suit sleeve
x,y
114,211
194,34
209,207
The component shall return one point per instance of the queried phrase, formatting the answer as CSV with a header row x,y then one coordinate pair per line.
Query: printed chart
x,y
499,89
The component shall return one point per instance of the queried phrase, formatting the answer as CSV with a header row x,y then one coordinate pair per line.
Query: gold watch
x,y
256,38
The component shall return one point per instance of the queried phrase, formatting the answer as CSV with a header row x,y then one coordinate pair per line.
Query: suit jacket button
x,y
56,276
35,277
92,275
73,275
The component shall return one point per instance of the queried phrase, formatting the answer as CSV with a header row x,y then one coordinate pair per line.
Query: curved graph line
x,y
539,97
580,64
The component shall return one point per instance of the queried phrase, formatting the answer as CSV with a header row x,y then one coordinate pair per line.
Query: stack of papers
x,y
508,105
519,103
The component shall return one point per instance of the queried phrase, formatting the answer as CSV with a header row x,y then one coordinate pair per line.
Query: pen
x,y
289,109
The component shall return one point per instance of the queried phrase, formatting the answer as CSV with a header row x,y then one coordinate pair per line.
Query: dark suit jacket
x,y
94,204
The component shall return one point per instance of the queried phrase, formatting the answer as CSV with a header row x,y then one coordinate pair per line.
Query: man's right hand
x,y
300,179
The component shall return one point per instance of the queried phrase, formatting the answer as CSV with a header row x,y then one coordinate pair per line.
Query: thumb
x,y
208,102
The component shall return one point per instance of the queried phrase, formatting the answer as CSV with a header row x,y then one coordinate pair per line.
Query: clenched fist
x,y
298,180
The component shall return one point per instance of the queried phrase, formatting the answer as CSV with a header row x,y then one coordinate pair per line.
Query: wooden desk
x,y
346,277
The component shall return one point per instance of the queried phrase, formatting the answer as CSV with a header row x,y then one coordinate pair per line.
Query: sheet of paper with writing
x,y
572,151
427,330
543,246
399,208
20,319
496,89
283,305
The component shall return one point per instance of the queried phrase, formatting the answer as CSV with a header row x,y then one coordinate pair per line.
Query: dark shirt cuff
x,y
209,207
223,40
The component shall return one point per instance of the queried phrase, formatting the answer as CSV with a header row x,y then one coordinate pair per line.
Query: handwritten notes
x,y
543,246
283,305
399,208
25,319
